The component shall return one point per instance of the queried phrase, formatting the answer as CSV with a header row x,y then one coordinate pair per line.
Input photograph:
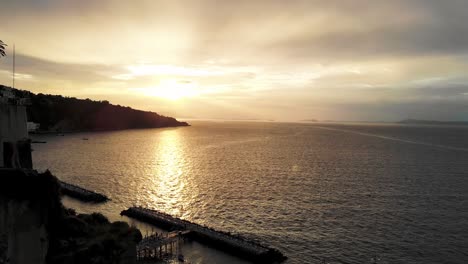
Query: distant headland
x,y
433,122
56,113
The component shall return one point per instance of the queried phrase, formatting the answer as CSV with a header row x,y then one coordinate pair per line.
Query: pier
x,y
158,246
81,193
236,245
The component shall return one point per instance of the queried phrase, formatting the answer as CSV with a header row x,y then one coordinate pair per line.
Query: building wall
x,y
28,201
13,122
23,229
13,125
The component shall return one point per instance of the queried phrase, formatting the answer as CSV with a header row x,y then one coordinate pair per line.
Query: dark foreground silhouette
x,y
36,228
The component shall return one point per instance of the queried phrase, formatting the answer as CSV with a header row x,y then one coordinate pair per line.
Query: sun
x,y
173,90
174,93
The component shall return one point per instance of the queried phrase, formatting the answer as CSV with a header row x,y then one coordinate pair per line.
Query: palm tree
x,y
2,48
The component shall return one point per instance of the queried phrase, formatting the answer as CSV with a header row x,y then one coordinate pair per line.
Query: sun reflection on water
x,y
167,175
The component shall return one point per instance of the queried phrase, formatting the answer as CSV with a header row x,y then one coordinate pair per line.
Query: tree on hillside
x,y
2,48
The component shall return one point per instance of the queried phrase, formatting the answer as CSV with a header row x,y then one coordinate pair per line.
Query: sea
x,y
318,192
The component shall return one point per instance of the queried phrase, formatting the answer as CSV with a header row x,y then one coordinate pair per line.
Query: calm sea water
x,y
321,193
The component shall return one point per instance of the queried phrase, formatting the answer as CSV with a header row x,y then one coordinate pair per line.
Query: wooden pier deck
x,y
238,246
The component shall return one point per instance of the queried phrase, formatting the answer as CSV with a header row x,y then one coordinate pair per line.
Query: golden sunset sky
x,y
281,60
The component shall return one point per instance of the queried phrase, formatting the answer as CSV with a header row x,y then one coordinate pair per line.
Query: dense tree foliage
x,y
63,114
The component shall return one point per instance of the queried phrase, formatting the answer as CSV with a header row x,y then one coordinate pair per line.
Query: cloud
x,y
327,30
280,58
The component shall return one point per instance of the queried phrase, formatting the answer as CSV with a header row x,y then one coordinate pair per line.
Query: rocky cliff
x,y
36,228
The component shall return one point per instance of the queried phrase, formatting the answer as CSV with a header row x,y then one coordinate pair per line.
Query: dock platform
x,y
236,245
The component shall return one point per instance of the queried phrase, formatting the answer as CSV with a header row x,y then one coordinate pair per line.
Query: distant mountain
x,y
433,122
309,120
56,113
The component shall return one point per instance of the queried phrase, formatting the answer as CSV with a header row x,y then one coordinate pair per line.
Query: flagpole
x,y
14,65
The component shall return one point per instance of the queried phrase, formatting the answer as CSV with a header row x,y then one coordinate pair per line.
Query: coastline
x,y
50,132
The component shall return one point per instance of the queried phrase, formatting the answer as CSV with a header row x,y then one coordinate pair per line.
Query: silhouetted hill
x,y
66,114
433,122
